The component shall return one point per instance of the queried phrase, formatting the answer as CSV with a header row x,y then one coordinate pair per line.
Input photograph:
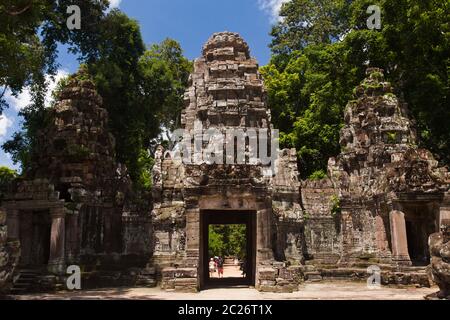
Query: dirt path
x,y
229,271
309,291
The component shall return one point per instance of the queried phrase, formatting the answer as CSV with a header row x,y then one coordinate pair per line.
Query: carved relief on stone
x,y
293,245
157,169
440,260
9,254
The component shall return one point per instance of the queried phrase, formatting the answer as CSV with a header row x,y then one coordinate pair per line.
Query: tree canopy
x,y
7,176
320,52
30,31
227,241
141,89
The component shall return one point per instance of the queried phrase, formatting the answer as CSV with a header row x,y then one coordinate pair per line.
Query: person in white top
x,y
212,267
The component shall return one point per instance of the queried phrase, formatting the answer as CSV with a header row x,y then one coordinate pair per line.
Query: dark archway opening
x,y
35,232
417,247
420,222
216,220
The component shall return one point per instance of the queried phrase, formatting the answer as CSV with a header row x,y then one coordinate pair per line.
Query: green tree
x,y
116,75
306,22
227,240
30,31
216,246
166,74
237,245
320,52
141,89
7,176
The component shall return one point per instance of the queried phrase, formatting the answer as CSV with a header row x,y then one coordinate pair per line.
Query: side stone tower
x,y
384,196
74,205
393,195
226,102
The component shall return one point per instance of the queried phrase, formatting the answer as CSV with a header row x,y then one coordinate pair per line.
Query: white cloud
x,y
114,3
272,7
23,99
53,83
5,124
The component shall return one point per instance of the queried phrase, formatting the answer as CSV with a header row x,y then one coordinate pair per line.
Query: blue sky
x,y
189,22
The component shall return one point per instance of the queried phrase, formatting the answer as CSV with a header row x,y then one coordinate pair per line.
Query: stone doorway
x,y
420,223
222,217
35,235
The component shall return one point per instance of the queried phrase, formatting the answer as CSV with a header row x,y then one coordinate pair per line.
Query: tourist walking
x,y
220,263
243,268
212,267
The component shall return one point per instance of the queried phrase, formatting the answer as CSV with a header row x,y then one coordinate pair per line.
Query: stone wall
x,y
323,235
288,216
278,277
95,218
382,177
9,255
179,279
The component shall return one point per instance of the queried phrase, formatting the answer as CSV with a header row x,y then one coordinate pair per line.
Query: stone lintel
x,y
33,205
418,197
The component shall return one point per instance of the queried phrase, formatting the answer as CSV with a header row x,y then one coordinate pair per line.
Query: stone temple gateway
x,y
383,198
226,92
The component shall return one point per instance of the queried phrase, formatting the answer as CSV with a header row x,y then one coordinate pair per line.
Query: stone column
x,y
399,238
194,258
56,263
263,236
193,229
13,223
347,236
380,235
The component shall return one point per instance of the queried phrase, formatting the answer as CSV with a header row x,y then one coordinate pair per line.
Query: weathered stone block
x,y
286,274
267,274
283,282
263,288
270,283
186,285
288,288
168,284
168,273
185,273
186,281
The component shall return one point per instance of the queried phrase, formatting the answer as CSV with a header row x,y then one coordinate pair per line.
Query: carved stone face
x,y
418,174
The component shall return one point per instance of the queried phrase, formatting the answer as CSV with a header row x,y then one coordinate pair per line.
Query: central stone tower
x,y
227,97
